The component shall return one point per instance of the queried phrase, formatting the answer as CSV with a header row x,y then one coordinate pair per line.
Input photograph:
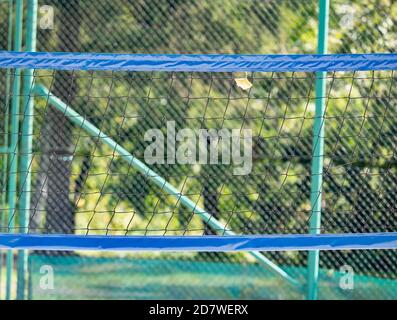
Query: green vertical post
x,y
317,153
6,112
14,134
4,205
26,146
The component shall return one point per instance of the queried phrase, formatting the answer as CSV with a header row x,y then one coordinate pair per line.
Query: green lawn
x,y
137,278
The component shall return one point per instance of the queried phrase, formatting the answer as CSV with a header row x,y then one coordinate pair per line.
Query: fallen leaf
x,y
243,83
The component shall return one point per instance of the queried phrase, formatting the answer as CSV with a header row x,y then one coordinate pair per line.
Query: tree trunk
x,y
53,183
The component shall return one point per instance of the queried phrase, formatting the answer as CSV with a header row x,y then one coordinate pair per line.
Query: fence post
x,y
5,147
26,146
317,153
14,137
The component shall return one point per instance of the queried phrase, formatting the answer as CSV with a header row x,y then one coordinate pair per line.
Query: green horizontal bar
x,y
83,123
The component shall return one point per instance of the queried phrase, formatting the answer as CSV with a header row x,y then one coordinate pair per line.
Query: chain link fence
x,y
243,27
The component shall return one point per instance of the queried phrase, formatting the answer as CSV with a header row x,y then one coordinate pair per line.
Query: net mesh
x,y
105,194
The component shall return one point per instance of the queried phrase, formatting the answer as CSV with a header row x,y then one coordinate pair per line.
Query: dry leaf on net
x,y
243,83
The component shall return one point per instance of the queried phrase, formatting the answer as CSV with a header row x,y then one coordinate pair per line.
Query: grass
x,y
81,277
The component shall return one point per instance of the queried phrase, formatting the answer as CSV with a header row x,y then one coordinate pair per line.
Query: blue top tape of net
x,y
198,62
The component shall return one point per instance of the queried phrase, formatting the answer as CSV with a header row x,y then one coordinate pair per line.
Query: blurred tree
x,y
53,184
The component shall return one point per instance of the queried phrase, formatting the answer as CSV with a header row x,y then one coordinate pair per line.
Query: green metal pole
x,y
6,111
318,150
84,124
14,130
26,146
4,206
